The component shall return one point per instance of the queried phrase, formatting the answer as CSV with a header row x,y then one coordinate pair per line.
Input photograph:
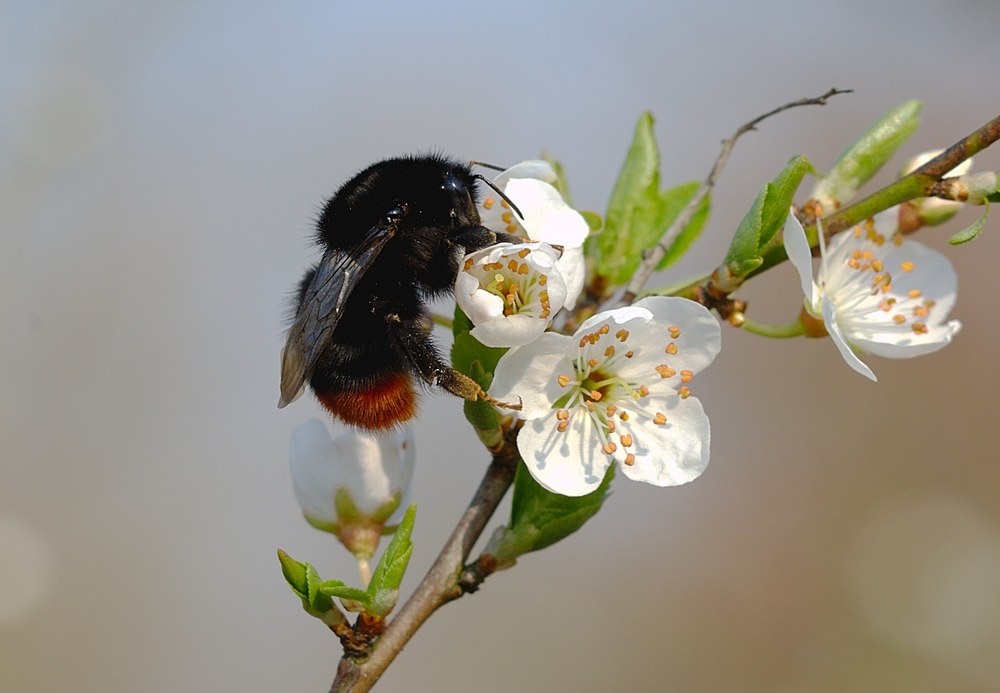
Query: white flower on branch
x,y
876,290
547,218
510,292
351,485
616,391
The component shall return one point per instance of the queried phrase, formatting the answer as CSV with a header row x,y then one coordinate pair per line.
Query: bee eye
x,y
396,212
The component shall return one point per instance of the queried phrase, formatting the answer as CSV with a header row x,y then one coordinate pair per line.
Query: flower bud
x,y
932,211
353,484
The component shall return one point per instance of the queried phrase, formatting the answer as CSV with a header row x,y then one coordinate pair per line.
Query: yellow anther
x,y
610,351
899,318
610,447
665,371
919,328
626,440
523,253
675,331
684,392
671,349
906,266
488,203
659,419
629,354
592,362
562,426
563,380
686,376
596,395
629,459
877,265
604,329
914,293
562,414
622,334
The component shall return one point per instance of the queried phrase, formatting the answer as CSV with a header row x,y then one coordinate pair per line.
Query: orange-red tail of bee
x,y
388,404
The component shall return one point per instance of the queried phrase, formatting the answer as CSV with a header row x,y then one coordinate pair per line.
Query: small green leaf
x,y
295,573
972,232
765,218
540,518
392,567
633,206
305,582
467,349
561,184
863,158
780,193
672,203
339,589
593,219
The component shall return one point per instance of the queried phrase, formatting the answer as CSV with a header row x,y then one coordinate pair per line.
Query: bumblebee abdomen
x,y
389,402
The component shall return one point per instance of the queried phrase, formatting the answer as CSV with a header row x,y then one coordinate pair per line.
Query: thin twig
x,y
441,584
655,254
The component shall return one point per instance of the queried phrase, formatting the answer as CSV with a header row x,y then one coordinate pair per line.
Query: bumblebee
x,y
393,237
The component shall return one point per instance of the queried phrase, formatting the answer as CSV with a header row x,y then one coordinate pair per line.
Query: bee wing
x,y
322,306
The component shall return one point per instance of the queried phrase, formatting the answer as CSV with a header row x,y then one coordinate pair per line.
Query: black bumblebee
x,y
393,236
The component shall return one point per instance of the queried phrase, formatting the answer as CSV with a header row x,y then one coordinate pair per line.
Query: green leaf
x,y
540,518
339,589
561,184
306,582
392,567
765,218
593,219
466,349
672,203
972,232
863,158
633,207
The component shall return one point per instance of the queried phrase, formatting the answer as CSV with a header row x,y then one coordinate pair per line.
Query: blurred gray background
x,y
161,164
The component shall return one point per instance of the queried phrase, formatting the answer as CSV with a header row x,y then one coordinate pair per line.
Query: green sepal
x,y
480,413
341,590
993,197
540,518
865,156
392,567
306,583
972,232
347,510
765,218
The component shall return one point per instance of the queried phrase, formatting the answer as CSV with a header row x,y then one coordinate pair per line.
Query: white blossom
x,y
876,290
510,292
616,391
353,484
547,218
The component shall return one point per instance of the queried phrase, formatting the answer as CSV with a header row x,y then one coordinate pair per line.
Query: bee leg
x,y
420,350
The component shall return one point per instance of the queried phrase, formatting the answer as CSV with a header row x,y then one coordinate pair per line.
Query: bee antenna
x,y
498,191
486,165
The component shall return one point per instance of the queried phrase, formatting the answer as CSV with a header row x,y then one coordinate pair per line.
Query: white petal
x,y
670,454
572,267
799,254
619,316
531,373
479,305
937,337
510,330
373,468
532,168
830,321
546,216
571,462
313,479
696,346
